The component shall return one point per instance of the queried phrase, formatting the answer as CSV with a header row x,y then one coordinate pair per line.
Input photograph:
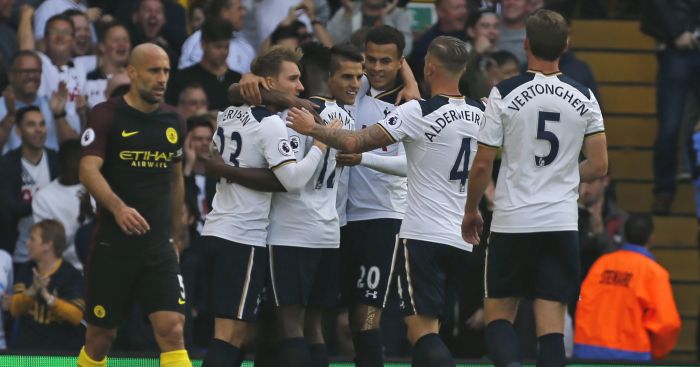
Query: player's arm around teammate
x,y
373,137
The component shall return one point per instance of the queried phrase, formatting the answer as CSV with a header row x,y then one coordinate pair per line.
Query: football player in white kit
x,y
376,201
542,119
304,235
440,136
304,263
235,231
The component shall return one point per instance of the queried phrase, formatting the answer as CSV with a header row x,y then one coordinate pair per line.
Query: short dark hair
x,y
450,52
216,29
192,85
104,28
57,18
68,153
474,16
203,120
547,33
315,55
25,53
19,115
72,12
503,57
358,38
215,7
385,35
52,230
344,52
270,62
283,32
639,228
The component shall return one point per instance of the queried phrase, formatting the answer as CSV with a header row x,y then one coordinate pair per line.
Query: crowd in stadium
x,y
61,58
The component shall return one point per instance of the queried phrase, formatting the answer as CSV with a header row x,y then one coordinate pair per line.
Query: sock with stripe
x,y
502,344
84,360
319,355
430,351
293,352
221,354
175,358
368,348
551,350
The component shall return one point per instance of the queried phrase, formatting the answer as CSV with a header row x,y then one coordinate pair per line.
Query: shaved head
x,y
145,51
148,70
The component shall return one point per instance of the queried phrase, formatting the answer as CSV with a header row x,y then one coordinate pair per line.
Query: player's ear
x,y
272,82
526,44
131,72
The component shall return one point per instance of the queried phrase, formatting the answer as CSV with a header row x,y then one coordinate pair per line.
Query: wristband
x,y
61,115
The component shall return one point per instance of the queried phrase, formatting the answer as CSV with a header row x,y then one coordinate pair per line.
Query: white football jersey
x,y
246,137
440,136
541,121
372,194
343,178
309,218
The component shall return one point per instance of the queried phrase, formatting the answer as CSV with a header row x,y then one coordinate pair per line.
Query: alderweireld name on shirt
x,y
448,117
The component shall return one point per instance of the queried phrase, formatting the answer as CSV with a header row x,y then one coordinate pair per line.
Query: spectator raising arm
x,y
25,36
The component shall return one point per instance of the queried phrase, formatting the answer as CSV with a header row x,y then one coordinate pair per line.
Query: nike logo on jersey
x,y
126,134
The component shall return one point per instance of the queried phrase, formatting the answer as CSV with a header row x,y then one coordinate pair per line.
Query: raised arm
x,y
347,141
25,34
410,90
249,91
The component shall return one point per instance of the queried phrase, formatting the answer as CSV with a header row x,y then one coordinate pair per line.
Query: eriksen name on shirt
x,y
235,113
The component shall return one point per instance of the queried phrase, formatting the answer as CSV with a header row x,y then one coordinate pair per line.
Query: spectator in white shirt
x,y
25,77
240,53
60,199
57,63
82,33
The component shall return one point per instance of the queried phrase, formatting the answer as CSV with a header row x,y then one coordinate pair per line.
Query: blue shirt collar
x,y
638,249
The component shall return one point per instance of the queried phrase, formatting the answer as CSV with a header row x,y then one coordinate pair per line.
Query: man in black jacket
x,y
24,171
676,26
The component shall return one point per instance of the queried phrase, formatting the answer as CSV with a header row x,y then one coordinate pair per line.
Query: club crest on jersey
x,y
294,142
171,135
99,312
394,121
285,148
88,137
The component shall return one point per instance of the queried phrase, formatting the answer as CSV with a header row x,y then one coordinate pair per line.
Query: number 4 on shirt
x,y
462,162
